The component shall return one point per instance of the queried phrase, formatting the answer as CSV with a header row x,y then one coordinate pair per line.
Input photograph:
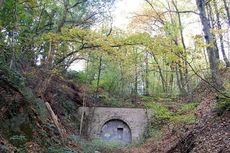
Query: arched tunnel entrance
x,y
116,130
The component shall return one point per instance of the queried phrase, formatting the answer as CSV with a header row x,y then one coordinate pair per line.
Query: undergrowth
x,y
223,104
223,101
162,115
95,144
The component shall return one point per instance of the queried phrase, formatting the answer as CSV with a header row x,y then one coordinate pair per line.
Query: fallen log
x,y
54,117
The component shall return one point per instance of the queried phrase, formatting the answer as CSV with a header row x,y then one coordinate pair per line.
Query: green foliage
x,y
18,140
185,113
223,103
109,100
13,76
162,114
147,99
223,106
22,150
160,111
68,150
60,150
188,107
79,77
154,133
95,144
58,32
188,118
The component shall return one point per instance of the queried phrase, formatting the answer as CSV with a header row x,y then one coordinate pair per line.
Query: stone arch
x,y
116,130
115,118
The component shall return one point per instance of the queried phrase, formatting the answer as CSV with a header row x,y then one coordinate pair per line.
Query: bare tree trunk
x,y
49,62
179,74
210,49
180,77
181,80
212,25
181,89
220,34
99,75
136,78
171,79
227,11
160,72
146,75
122,82
12,61
136,84
184,47
13,41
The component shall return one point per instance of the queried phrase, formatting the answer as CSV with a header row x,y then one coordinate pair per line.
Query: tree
x,y
227,11
31,28
219,27
211,18
211,49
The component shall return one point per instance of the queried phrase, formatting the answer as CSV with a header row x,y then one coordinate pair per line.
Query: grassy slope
x,y
209,134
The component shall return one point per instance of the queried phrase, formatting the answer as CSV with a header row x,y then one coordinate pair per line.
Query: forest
x,y
171,57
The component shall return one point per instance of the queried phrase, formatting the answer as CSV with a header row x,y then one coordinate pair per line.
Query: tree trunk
x,y
212,25
227,11
122,81
181,80
210,48
13,40
136,78
146,91
181,89
220,34
49,63
99,75
160,72
184,47
171,80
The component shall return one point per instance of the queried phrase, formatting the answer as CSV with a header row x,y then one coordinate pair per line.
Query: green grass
x,y
95,144
188,118
188,107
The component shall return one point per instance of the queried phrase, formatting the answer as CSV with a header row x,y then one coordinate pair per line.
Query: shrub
x,y
13,76
60,150
154,133
223,105
18,140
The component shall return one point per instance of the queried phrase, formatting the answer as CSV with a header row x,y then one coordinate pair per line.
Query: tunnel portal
x,y
125,125
116,131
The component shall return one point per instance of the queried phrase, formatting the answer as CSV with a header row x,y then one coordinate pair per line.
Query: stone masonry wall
x,y
135,118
